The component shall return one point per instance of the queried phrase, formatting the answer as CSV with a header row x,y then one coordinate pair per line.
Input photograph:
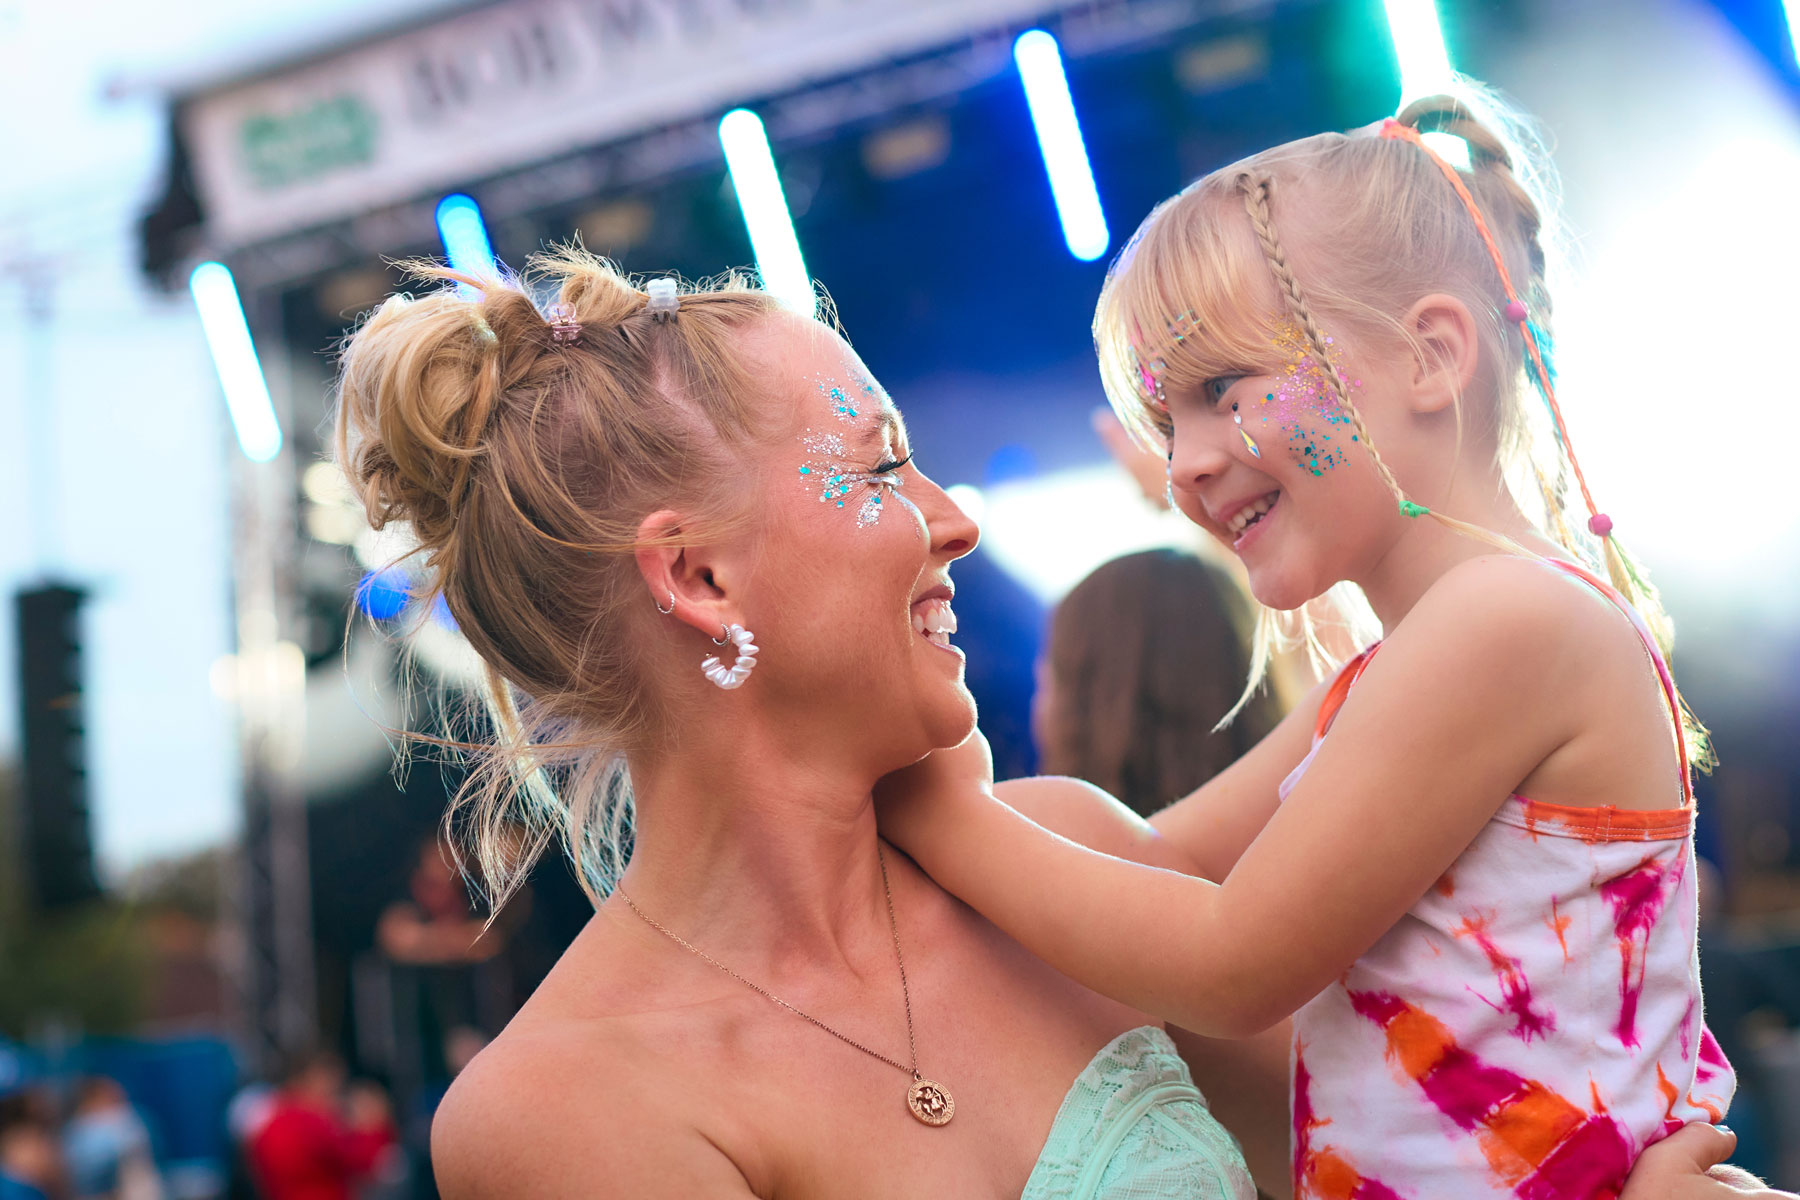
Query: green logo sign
x,y
312,141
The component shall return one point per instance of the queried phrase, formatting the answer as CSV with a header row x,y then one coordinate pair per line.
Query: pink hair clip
x,y
565,330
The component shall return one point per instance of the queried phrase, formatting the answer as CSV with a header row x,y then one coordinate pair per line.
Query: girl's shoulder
x,y
1517,606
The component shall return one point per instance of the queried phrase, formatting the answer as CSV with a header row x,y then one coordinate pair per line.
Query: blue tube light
x,y
234,357
1059,138
759,196
465,237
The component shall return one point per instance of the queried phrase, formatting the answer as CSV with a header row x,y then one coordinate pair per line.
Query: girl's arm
x,y
1458,707
1217,822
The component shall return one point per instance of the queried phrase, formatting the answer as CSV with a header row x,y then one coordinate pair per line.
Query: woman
x,y
611,498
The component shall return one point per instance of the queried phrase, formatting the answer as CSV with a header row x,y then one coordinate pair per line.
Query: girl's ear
x,y
1447,351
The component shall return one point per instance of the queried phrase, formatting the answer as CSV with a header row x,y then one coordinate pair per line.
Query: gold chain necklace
x,y
929,1100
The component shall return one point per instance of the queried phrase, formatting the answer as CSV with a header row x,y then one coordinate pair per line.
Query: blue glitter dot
x,y
806,470
840,504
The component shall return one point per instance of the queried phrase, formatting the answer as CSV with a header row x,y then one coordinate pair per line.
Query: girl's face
x,y
852,590
1269,464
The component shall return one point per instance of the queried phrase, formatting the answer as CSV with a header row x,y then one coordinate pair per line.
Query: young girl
x,y
1466,864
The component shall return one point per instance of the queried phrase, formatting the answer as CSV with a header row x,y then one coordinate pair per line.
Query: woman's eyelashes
x,y
828,473
891,464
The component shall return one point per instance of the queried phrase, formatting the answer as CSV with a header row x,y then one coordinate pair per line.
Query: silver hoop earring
x,y
734,675
666,611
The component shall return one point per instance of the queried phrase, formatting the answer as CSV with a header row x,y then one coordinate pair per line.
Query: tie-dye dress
x,y
1530,1025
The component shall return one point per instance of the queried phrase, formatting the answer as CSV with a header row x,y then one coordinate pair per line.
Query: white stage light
x,y
1049,531
1419,45
1059,138
759,195
234,357
968,497
1424,66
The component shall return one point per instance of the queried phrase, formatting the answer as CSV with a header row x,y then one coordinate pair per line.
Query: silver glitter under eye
x,y
829,475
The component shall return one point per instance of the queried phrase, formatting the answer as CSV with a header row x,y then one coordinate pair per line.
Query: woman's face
x,y
851,595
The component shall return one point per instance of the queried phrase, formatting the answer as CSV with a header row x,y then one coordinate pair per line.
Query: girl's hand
x,y
918,806
1687,1166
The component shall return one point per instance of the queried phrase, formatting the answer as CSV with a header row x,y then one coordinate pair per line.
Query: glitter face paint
x,y
1305,406
829,474
850,400
828,470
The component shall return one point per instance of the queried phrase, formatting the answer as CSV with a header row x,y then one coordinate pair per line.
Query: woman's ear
x,y
1447,351
680,577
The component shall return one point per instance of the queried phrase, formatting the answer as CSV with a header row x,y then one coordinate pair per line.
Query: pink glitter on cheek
x,y
1305,405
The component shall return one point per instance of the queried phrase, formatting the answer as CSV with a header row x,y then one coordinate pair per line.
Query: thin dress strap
x,y
1663,675
1352,671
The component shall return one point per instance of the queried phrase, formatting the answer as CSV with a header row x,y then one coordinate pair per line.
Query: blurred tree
x,y
84,966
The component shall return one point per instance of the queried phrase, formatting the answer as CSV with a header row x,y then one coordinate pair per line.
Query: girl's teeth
x,y
1248,514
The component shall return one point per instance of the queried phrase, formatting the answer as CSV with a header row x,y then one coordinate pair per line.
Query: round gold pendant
x,y
931,1102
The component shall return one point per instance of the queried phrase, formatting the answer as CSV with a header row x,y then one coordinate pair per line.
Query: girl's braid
x,y
1257,190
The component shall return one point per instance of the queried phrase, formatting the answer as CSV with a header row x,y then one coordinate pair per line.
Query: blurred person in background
x,y
1145,656
461,1045
319,1140
31,1164
106,1145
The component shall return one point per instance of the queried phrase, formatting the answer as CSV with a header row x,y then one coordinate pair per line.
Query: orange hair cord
x,y
1598,522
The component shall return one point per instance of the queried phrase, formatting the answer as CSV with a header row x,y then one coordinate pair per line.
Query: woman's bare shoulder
x,y
572,1107
579,1095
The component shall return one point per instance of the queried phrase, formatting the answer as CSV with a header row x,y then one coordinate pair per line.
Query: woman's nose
x,y
954,532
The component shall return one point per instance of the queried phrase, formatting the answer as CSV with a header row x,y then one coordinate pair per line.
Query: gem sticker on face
x,y
849,400
1305,404
829,473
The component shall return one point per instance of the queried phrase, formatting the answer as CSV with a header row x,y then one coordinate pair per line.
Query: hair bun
x,y
1444,113
418,384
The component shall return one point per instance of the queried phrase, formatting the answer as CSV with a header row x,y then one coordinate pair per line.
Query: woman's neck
x,y
775,859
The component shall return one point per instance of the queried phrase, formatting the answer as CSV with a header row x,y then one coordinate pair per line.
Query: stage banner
x,y
514,83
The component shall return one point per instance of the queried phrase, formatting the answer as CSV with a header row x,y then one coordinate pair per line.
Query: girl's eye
x,y
892,465
1216,388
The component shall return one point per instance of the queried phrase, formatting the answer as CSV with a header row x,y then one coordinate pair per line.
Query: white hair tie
x,y
663,299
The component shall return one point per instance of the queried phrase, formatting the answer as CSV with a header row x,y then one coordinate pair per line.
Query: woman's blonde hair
x,y
523,466
1384,228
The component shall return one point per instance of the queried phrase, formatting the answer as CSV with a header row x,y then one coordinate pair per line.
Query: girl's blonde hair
x,y
1385,227
523,467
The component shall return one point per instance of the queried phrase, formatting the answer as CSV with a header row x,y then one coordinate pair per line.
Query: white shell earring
x,y
734,675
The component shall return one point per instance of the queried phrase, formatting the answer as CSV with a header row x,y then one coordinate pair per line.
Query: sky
x,y
115,473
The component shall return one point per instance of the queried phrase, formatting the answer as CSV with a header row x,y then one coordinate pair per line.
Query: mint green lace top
x,y
1134,1127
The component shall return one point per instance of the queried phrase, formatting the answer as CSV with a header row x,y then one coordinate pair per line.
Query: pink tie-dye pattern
x,y
1321,1173
1637,898
1514,987
1590,1160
